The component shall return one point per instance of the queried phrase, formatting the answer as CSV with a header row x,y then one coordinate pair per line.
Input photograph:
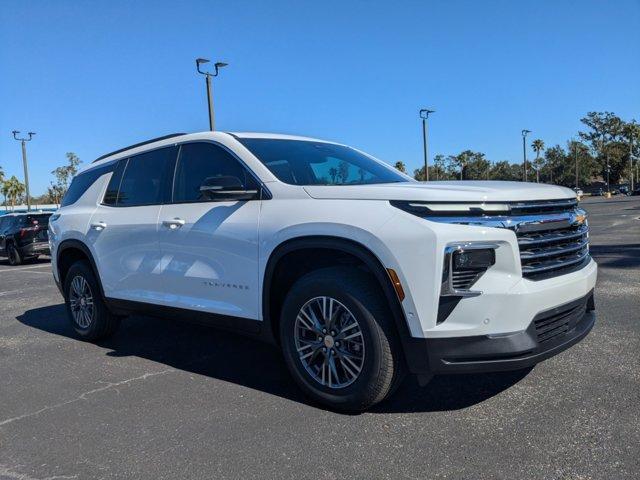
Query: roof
x,y
275,136
171,138
140,144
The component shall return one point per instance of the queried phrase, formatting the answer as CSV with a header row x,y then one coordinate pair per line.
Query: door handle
x,y
99,226
173,224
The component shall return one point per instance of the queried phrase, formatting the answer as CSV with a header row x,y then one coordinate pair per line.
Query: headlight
x,y
448,209
464,264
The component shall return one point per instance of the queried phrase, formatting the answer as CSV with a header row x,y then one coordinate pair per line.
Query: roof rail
x,y
135,145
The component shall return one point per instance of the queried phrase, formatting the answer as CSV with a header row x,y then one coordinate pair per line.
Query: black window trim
x,y
264,192
88,171
104,194
124,171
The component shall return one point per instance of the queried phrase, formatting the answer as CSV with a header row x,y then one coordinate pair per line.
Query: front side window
x,y
147,178
303,162
202,163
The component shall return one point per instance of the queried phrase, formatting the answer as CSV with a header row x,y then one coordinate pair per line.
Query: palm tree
x,y
538,146
13,188
400,166
4,189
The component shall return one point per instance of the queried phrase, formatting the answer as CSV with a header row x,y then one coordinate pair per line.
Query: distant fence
x,y
23,208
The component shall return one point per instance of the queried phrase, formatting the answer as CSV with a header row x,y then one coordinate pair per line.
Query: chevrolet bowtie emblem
x,y
580,218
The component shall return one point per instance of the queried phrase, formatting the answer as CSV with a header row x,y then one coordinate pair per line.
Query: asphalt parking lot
x,y
173,400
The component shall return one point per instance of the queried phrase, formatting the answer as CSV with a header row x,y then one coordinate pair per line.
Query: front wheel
x,y
338,339
87,312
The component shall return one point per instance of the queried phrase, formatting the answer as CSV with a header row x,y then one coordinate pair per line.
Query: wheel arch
x,y
70,251
348,249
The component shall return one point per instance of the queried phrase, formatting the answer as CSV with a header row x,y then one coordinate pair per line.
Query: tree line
x,y
605,145
13,190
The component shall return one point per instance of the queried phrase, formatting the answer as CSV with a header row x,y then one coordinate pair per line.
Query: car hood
x,y
449,191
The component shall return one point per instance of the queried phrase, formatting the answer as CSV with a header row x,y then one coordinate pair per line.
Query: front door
x,y
210,246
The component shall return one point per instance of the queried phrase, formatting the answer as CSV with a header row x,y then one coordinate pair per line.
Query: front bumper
x,y
549,333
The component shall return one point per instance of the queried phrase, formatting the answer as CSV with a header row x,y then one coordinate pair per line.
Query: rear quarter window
x,y
82,182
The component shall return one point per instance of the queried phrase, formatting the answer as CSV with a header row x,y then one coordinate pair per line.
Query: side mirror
x,y
225,188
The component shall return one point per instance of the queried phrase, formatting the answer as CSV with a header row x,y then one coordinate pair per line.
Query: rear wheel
x,y
88,314
338,339
15,258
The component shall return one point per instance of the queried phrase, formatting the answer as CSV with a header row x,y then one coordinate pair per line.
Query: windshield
x,y
302,162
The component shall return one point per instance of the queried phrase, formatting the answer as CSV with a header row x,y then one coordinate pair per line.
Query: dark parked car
x,y
23,236
635,192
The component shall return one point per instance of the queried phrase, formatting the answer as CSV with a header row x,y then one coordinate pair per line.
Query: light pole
x,y
424,115
208,75
575,154
24,162
631,154
524,151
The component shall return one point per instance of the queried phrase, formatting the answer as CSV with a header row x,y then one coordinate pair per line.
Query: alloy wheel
x,y
81,302
329,342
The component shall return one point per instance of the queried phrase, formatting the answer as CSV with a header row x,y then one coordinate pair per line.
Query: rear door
x,y
124,227
210,246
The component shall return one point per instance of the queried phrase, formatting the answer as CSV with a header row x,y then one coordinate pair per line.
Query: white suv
x,y
356,271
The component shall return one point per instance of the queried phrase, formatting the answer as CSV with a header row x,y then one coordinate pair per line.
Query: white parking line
x,y
10,292
24,268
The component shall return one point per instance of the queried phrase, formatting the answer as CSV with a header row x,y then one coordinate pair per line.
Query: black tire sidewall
x,y
97,325
13,255
352,295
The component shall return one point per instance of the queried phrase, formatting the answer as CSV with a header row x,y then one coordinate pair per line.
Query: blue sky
x,y
90,77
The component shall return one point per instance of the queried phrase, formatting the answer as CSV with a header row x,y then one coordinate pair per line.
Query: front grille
x,y
463,279
554,243
542,206
552,324
553,252
553,235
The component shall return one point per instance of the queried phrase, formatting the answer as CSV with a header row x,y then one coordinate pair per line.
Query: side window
x,y
199,162
111,195
82,182
3,223
147,178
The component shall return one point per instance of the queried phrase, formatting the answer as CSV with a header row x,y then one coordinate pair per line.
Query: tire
x,y
15,258
87,312
373,353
